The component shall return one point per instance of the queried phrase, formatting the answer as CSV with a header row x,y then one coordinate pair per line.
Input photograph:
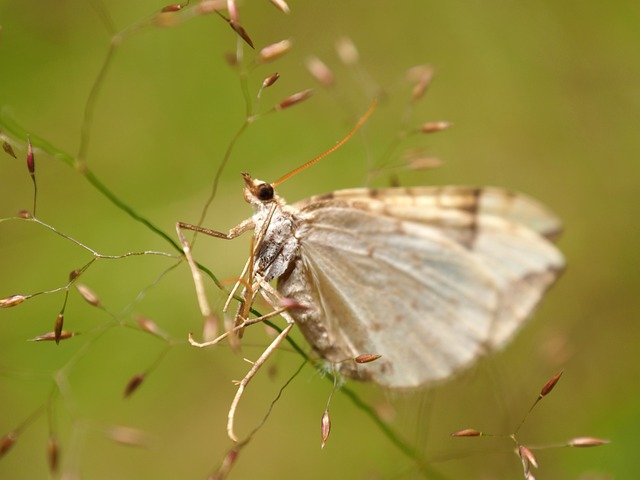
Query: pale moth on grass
x,y
429,278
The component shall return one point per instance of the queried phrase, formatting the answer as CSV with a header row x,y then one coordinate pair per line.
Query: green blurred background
x,y
545,99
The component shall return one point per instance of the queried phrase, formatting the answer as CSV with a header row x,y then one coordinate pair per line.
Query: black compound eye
x,y
265,191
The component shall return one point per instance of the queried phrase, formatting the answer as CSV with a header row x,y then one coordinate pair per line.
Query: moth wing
x,y
429,291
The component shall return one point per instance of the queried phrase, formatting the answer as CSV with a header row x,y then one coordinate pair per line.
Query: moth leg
x,y
203,303
250,374
251,288
271,296
245,324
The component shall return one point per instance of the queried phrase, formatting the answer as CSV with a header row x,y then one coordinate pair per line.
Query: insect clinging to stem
x,y
427,278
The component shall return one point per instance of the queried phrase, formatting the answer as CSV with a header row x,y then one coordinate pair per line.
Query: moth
x,y
429,278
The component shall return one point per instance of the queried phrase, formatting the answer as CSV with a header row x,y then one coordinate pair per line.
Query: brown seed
x,y
282,5
31,160
232,8
550,384
12,301
26,214
270,80
293,99
73,274
525,453
587,442
90,297
423,163
239,29
467,432
320,71
57,329
51,336
7,442
147,324
133,384
422,75
174,8
274,50
325,427
231,58
347,51
53,454
434,127
128,436
6,146
367,357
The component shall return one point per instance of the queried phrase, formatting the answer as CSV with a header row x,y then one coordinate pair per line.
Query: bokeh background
x,y
545,98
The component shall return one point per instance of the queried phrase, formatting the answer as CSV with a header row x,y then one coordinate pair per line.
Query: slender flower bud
x,y
347,51
51,336
367,357
433,127
53,454
282,5
7,442
293,99
325,427
467,432
31,160
587,442
270,80
6,146
239,29
550,384
57,329
12,301
133,384
320,71
232,8
90,297
274,50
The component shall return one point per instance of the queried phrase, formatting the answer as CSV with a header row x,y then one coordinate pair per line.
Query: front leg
x,y
236,231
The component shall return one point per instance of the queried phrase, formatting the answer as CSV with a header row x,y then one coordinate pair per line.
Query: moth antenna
x,y
359,124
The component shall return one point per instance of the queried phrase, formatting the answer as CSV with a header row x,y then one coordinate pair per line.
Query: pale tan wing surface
x,y
428,278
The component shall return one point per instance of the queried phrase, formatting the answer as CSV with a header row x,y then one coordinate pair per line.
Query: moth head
x,y
256,191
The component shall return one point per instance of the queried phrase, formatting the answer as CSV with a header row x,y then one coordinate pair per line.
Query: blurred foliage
x,y
545,98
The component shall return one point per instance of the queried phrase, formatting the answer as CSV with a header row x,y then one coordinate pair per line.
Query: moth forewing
x,y
429,278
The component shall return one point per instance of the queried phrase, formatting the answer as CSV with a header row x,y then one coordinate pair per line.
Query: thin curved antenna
x,y
332,149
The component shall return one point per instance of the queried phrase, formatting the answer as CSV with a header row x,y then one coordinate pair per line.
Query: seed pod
x,y
325,427
274,50
467,432
434,127
583,442
367,357
347,51
320,71
12,301
7,442
133,384
270,80
282,5
53,454
6,146
293,99
57,329
90,297
550,384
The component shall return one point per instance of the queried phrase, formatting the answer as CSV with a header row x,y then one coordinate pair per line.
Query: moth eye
x,y
265,191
